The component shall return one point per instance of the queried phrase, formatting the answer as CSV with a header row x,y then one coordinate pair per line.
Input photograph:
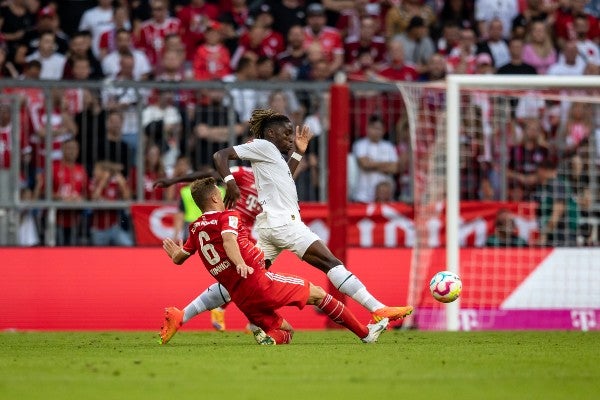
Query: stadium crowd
x,y
95,133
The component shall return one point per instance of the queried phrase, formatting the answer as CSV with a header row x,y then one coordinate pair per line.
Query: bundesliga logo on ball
x,y
445,286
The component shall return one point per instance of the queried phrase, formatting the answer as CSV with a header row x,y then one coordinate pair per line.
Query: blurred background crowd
x,y
98,132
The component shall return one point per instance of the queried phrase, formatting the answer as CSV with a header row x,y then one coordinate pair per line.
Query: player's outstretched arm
x,y
233,253
175,251
166,182
301,140
221,159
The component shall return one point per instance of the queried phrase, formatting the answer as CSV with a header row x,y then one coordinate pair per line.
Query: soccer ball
x,y
445,286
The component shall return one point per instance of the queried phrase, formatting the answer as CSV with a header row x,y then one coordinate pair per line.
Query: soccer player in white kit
x,y
279,226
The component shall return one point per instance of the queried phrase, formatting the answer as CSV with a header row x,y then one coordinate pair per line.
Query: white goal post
x,y
449,118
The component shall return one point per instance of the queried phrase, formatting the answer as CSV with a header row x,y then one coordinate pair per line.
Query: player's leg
x,y
340,314
214,296
310,248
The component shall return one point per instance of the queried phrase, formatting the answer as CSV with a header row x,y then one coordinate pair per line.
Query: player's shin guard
x,y
280,336
214,296
341,315
347,283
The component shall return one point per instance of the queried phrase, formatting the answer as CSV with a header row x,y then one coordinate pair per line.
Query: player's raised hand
x,y
170,247
244,270
303,136
232,194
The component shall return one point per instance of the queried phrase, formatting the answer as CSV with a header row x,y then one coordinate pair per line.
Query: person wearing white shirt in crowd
x,y
111,64
97,20
487,10
569,62
588,49
377,160
53,63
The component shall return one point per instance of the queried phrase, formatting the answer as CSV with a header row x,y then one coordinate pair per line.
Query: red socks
x,y
280,336
339,314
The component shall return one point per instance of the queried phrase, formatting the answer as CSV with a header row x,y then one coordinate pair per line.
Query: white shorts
x,y
295,237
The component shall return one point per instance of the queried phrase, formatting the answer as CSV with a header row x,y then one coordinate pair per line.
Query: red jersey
x,y
193,23
152,37
330,39
74,98
6,145
148,179
376,48
69,182
211,62
399,73
205,236
247,205
38,118
104,219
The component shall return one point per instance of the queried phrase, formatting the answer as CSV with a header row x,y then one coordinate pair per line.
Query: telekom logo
x,y
583,319
468,320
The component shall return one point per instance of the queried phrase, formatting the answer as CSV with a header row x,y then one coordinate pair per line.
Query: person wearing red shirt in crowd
x,y
330,38
463,58
154,169
69,184
212,59
7,149
194,18
108,184
153,31
367,40
234,23
564,17
395,68
349,24
224,246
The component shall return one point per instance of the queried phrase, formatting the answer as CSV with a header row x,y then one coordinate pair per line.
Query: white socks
x,y
349,284
214,296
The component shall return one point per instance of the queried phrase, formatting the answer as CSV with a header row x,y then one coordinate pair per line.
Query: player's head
x,y
207,195
274,127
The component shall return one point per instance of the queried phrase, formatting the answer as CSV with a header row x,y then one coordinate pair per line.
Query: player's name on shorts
x,y
220,268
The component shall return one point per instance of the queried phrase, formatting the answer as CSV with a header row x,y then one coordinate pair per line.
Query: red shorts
x,y
273,292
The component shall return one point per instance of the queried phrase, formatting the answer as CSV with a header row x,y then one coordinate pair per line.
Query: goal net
x,y
505,191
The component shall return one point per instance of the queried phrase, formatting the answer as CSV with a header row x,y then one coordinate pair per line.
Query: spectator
x,y
154,31
569,62
564,22
153,169
367,40
350,21
395,68
53,63
111,63
457,13
557,209
112,147
505,232
377,160
80,99
418,46
212,59
124,100
96,20
588,49
47,21
243,100
195,18
290,60
539,50
516,66
7,68
108,38
495,45
162,124
487,10
384,192
289,13
461,59
108,184
450,38
234,23
399,15
436,69
330,38
483,64
15,20
524,158
79,47
70,183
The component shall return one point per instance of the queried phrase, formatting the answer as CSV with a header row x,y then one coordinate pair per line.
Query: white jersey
x,y
274,183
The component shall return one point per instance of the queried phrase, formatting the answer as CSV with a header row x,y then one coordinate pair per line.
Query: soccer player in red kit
x,y
224,246
248,207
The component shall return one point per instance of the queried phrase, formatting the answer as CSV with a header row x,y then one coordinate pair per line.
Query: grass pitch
x,y
317,365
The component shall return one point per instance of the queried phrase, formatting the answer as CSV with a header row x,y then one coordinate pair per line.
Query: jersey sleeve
x,y
257,150
230,222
